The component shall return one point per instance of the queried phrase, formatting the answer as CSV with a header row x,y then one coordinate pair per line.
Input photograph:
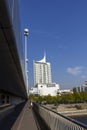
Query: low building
x,y
46,89
33,91
65,91
82,88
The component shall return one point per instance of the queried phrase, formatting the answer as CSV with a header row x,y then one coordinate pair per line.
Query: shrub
x,y
79,107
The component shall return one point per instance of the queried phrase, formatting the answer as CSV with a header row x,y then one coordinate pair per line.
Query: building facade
x,y
48,89
42,71
82,88
43,85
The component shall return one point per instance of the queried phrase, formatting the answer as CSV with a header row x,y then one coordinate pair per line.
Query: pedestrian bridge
x,y
38,117
15,113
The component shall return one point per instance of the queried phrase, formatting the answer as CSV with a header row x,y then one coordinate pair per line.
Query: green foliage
x,y
67,98
64,98
77,97
84,96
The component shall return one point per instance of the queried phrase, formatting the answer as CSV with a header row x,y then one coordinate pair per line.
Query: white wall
x,y
43,90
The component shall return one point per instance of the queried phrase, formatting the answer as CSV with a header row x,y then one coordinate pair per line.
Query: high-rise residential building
x,y
43,84
42,71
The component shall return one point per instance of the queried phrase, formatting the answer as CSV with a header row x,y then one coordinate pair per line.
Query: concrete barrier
x,y
56,121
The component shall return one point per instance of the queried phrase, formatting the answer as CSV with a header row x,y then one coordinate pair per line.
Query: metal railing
x,y
57,121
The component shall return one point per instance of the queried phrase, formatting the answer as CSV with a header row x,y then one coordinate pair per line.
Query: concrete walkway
x,y
26,120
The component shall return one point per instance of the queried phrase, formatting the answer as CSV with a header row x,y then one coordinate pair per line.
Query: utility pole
x,y
26,32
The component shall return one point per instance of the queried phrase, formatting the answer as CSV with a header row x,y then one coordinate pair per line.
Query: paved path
x,y
22,118
26,120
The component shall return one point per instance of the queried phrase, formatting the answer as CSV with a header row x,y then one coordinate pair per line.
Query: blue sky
x,y
59,28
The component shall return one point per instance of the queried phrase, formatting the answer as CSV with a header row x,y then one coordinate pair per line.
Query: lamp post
x,y
26,32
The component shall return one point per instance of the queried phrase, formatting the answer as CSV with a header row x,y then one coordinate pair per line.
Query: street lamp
x,y
26,32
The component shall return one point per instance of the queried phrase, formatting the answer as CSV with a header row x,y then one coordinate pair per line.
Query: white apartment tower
x,y
42,71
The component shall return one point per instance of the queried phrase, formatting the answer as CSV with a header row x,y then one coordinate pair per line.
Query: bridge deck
x,y
26,120
21,118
